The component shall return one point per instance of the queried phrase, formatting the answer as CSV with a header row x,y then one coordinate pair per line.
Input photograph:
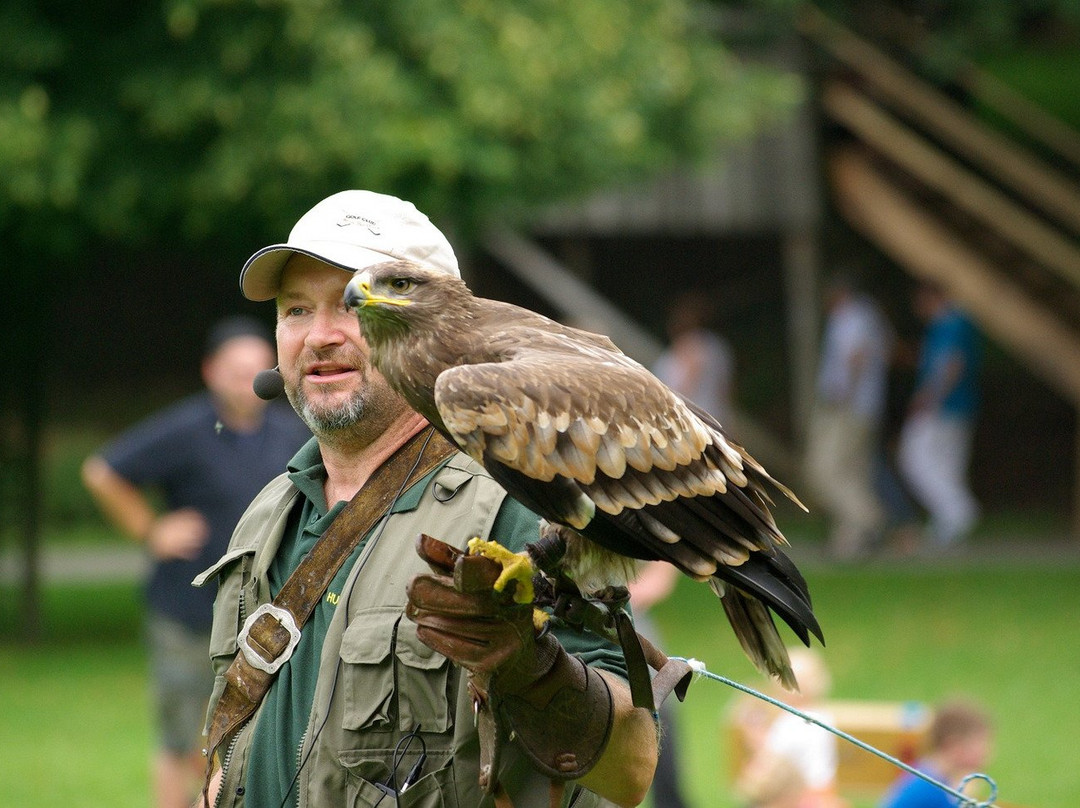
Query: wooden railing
x,y
1027,175
947,176
921,243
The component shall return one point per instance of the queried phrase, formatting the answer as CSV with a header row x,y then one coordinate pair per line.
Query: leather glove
x,y
460,615
560,709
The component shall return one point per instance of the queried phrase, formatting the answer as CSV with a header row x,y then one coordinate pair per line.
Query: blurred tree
x,y
956,31
210,121
161,121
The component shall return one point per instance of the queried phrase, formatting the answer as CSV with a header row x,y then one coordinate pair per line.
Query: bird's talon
x,y
515,567
540,619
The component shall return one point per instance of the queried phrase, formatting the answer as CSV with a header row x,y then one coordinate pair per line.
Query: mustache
x,y
348,357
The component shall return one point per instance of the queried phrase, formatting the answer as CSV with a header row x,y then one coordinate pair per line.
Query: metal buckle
x,y
285,618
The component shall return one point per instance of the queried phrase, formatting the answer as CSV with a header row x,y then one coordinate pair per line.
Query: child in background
x,y
958,744
792,762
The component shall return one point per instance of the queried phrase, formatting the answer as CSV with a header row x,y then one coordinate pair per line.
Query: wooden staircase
x,y
953,201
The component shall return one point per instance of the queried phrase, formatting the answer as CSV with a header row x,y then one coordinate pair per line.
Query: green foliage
x,y
1039,73
969,27
202,116
942,40
44,151
67,509
974,26
66,502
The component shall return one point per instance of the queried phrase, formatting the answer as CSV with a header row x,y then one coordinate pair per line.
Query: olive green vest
x,y
376,680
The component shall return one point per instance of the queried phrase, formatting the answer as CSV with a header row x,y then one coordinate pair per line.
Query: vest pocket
x,y
367,670
360,791
387,669
435,790
423,697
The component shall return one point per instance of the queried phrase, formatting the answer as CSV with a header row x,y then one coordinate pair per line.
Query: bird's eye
x,y
401,285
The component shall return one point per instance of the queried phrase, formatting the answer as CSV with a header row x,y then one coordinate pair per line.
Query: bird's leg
x,y
548,551
515,567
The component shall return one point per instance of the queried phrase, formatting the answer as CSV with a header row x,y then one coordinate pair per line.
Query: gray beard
x,y
323,422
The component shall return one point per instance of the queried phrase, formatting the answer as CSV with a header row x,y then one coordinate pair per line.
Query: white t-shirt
x,y
809,747
855,327
706,378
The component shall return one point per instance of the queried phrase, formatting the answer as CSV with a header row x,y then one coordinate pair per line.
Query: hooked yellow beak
x,y
358,294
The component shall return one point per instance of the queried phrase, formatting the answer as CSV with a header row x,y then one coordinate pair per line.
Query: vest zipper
x,y
245,580
225,761
299,763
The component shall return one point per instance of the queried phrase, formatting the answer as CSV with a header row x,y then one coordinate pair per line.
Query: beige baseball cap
x,y
352,230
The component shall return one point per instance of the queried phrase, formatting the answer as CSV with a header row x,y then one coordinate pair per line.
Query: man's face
x,y
230,371
323,358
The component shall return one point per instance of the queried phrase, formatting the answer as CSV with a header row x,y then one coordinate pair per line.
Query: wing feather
x,y
572,426
578,428
611,459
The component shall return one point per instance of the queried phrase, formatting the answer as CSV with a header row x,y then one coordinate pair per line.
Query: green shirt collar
x,y
307,473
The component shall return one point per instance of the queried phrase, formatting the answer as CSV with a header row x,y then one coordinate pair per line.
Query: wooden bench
x,y
896,728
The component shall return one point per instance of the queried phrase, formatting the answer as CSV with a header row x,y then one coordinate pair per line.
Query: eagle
x,y
622,466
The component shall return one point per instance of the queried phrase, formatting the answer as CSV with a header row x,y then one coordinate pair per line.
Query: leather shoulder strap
x,y
272,631
305,587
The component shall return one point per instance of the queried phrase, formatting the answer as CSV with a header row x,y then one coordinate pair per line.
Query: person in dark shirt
x,y
204,458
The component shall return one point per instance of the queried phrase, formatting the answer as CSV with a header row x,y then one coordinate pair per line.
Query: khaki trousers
x,y
839,468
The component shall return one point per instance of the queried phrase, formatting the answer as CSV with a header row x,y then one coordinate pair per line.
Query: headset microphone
x,y
268,384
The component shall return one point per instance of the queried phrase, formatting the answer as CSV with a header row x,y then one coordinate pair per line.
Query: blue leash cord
x,y
964,800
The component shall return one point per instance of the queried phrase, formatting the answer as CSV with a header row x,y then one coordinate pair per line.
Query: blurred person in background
x,y
959,743
792,763
205,458
935,440
698,363
844,439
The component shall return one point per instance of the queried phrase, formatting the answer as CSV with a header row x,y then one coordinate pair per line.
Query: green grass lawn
x,y
74,710
1006,638
75,726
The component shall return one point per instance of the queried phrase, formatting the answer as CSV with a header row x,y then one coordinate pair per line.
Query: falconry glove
x,y
523,682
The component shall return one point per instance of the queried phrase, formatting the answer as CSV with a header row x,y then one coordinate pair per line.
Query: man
x,y
362,706
844,426
935,440
206,457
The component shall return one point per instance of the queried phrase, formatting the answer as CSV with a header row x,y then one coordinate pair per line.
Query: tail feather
x,y
773,579
757,634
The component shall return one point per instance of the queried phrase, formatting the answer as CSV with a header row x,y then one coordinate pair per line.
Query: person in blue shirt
x,y
935,440
204,459
959,743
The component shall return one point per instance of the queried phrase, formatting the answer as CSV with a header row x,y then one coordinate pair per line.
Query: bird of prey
x,y
589,439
